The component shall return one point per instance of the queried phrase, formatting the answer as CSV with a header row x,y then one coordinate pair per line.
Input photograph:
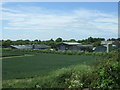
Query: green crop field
x,y
40,64
6,52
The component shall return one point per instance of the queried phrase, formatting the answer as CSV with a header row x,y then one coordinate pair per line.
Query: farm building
x,y
73,46
21,46
87,47
106,42
40,46
106,45
115,44
100,49
68,46
34,46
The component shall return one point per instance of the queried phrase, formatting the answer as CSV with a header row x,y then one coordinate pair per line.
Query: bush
x,y
107,74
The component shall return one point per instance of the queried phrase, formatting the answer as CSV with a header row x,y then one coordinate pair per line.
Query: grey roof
x,y
107,42
34,46
87,45
37,46
22,46
110,42
71,43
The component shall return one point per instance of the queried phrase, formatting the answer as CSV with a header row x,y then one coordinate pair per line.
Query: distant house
x,y
68,46
34,46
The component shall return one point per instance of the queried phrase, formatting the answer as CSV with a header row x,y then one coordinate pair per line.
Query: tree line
x,y
52,43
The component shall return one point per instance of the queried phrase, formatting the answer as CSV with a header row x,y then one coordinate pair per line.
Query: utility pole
x,y
109,47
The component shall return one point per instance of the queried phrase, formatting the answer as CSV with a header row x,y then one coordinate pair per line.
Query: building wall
x,y
73,48
62,47
100,49
67,47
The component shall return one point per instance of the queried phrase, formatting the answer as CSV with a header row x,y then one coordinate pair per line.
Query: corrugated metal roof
x,y
107,42
22,46
37,46
34,46
72,43
88,45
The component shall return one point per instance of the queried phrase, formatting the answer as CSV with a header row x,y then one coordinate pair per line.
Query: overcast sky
x,y
28,20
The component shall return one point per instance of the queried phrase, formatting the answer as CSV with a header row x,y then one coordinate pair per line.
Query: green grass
x,y
56,79
6,52
62,71
40,64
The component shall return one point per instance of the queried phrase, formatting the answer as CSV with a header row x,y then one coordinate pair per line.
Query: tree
x,y
51,40
6,43
58,40
90,39
72,40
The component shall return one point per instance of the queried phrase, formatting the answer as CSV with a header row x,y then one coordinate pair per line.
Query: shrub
x,y
108,75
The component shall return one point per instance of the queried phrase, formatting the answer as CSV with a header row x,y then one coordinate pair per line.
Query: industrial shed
x,y
40,46
73,46
115,44
68,46
100,49
87,47
21,46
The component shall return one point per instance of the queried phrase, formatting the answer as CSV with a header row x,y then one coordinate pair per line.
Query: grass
x,y
6,52
45,70
40,64
104,76
56,79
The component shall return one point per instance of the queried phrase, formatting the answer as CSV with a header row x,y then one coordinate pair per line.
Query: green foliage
x,y
51,42
62,78
58,40
108,74
93,41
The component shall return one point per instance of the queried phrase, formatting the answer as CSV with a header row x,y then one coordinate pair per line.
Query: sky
x,y
68,20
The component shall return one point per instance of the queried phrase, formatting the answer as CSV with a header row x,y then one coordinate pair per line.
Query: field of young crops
x,y
40,64
6,52
60,69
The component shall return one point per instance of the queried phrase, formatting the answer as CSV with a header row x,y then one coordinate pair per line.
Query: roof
x,y
41,46
107,42
34,46
22,46
71,43
110,42
87,45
